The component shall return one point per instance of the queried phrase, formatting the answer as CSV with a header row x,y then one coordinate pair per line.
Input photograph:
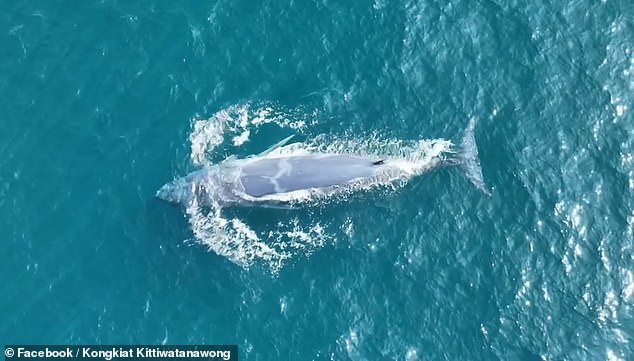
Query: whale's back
x,y
265,176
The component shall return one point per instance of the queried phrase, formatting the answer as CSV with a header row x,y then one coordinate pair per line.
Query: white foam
x,y
240,139
238,121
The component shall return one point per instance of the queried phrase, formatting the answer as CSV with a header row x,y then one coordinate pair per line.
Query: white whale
x,y
281,180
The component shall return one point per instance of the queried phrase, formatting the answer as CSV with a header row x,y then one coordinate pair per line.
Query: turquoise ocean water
x,y
101,103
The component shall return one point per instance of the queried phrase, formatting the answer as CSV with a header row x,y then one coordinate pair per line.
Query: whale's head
x,y
186,190
177,191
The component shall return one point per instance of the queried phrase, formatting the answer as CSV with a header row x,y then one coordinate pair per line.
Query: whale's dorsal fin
x,y
379,162
281,143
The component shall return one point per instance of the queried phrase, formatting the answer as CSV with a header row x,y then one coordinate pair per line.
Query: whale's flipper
x,y
468,159
281,143
379,162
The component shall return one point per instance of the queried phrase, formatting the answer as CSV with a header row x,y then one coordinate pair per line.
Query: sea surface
x,y
101,103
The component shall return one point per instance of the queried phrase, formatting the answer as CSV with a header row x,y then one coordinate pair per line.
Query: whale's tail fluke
x,y
468,159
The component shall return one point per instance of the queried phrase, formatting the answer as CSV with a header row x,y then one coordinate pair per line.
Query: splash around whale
x,y
291,175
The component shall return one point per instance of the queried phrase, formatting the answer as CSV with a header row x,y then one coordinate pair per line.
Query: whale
x,y
287,179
